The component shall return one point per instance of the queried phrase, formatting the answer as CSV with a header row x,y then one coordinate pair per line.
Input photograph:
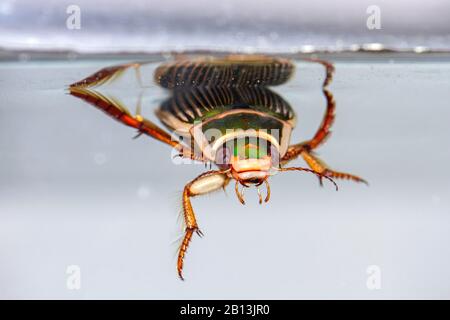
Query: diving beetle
x,y
231,96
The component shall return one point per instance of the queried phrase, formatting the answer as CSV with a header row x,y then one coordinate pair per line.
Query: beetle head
x,y
249,163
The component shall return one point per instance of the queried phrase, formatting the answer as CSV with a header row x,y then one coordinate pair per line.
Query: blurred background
x,y
285,25
87,212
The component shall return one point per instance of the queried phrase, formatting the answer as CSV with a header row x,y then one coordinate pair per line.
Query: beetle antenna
x,y
318,174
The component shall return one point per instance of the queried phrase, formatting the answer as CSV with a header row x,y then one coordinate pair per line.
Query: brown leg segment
x,y
84,90
120,112
204,183
319,166
329,69
324,130
109,74
323,133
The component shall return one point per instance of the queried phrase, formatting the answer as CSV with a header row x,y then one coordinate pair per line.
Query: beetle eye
x,y
275,156
223,156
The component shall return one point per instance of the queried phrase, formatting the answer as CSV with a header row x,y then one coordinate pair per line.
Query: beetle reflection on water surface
x,y
229,96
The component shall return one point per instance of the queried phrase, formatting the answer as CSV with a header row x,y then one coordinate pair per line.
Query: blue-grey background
x,y
75,189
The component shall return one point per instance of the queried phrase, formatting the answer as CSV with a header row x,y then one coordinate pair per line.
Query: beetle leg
x,y
329,69
120,112
319,166
109,74
321,134
324,130
305,148
106,74
204,183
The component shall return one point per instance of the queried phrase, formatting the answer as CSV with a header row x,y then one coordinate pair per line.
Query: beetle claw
x,y
199,233
140,133
320,181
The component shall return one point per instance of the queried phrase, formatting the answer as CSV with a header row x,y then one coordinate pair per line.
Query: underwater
x,y
102,108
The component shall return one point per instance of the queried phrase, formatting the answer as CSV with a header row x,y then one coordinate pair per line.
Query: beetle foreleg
x,y
204,183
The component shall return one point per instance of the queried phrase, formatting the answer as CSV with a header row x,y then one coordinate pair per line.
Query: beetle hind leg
x,y
109,74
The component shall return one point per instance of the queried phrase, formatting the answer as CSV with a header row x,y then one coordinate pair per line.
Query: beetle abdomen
x,y
231,71
200,104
